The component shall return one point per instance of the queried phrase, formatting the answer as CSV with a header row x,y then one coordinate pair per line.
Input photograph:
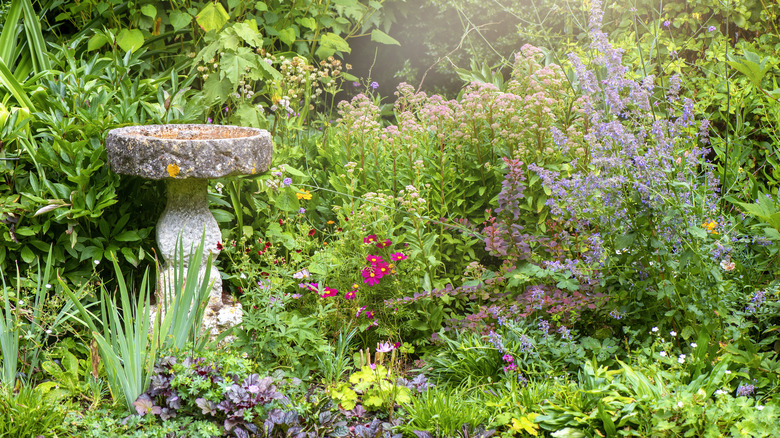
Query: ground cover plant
x,y
581,240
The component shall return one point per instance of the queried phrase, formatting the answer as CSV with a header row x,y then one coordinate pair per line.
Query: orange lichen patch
x,y
173,170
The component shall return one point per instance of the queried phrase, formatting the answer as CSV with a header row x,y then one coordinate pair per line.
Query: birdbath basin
x,y
186,157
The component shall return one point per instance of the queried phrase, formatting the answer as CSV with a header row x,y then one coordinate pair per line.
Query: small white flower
x,y
760,407
673,333
693,345
681,358
20,303
654,329
97,262
242,276
679,404
720,392
663,353
728,371
48,332
48,286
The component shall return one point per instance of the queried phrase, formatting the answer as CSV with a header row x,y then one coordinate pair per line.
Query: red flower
x,y
219,246
311,232
281,222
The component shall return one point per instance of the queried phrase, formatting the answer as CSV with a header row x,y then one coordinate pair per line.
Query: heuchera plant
x,y
202,387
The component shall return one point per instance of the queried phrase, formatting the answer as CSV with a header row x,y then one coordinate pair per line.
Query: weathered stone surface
x,y
186,156
187,214
188,151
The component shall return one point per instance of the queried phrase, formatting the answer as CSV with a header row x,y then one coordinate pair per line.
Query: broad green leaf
x,y
179,20
97,41
383,38
149,10
307,22
249,32
330,43
130,39
27,255
212,17
287,36
233,65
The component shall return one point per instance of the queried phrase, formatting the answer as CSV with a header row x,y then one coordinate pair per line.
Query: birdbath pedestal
x,y
186,157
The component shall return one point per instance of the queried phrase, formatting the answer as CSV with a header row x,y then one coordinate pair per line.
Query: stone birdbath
x,y
186,157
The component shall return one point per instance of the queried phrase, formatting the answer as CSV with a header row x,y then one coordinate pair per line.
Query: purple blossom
x,y
711,29
374,85
287,182
745,390
667,23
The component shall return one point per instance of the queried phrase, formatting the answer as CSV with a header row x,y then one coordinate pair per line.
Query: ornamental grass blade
x,y
9,338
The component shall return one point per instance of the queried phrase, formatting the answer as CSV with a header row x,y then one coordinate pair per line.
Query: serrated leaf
x,y
130,39
212,17
330,43
383,38
234,65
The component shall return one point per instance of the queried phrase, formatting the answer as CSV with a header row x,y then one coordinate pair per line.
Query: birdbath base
x,y
186,156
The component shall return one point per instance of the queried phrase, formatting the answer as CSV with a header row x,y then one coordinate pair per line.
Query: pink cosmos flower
x,y
384,244
371,238
398,256
370,276
381,269
351,295
374,259
329,292
370,314
359,311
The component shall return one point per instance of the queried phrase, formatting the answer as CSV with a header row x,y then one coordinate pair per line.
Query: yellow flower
x,y
173,170
304,195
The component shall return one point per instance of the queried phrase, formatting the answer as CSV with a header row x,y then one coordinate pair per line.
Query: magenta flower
x,y
370,314
371,238
359,311
374,259
508,358
398,256
381,269
329,292
370,276
351,295
384,244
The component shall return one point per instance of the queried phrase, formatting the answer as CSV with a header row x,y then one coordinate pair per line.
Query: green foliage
x,y
378,388
129,343
445,412
28,413
24,329
335,361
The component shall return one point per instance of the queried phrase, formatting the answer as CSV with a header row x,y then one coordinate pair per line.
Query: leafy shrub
x,y
216,386
28,413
